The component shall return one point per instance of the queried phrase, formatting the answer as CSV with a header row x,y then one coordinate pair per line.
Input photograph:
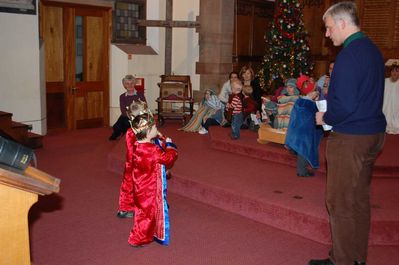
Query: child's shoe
x,y
233,137
114,136
124,214
203,131
136,246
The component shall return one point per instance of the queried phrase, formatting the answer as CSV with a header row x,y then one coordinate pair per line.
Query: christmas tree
x,y
287,51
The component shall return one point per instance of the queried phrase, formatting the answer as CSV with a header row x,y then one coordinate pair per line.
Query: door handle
x,y
73,89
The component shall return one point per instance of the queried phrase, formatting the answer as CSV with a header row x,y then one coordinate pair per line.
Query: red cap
x,y
309,85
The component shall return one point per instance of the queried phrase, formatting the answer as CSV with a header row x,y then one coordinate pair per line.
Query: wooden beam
x,y
168,38
168,24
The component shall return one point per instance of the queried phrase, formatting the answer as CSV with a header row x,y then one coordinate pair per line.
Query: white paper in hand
x,y
322,107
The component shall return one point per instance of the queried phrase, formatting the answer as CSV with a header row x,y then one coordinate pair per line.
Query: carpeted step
x,y
387,165
264,191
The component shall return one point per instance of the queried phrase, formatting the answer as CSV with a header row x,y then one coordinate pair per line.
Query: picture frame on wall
x,y
18,6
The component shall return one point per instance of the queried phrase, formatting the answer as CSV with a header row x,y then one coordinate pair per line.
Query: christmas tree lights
x,y
287,52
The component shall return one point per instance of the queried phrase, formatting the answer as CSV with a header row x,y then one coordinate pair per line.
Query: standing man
x,y
354,109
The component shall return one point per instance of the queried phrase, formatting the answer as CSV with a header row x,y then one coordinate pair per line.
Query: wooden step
x,y
20,129
5,119
35,140
19,132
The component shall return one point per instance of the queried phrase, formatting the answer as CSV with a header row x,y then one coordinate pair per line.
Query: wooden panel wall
x,y
375,22
379,20
252,20
94,48
53,33
95,101
396,25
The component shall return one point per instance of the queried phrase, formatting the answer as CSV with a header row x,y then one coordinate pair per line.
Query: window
x,y
125,22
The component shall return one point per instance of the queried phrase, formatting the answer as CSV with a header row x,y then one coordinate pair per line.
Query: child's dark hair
x,y
233,73
394,66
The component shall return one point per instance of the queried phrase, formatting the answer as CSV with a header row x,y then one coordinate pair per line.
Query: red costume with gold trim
x,y
151,218
126,201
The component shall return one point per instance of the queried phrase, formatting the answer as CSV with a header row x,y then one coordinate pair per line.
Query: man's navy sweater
x,y
356,92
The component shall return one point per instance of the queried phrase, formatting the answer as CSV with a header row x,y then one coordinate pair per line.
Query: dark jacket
x,y
355,96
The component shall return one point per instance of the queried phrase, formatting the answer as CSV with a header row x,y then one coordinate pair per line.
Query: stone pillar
x,y
216,34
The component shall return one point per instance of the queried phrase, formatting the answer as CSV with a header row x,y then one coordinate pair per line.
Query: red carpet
x,y
78,225
386,166
265,191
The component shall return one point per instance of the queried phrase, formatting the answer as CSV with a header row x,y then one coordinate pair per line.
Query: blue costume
x,y
303,135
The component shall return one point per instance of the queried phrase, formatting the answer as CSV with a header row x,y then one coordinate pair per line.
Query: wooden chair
x,y
175,99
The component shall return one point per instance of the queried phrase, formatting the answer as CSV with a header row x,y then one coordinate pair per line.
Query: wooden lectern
x,y
18,192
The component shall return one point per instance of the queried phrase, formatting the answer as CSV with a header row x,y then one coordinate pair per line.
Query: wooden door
x,y
77,40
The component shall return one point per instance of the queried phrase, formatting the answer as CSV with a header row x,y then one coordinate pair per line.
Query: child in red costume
x,y
126,201
151,218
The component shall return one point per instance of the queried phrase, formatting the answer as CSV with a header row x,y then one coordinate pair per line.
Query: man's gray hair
x,y
343,10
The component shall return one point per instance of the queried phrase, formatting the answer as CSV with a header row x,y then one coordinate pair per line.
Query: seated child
x,y
122,124
234,109
215,114
266,115
210,107
151,218
289,94
250,110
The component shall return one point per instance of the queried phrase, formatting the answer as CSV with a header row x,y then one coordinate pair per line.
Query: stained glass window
x,y
125,18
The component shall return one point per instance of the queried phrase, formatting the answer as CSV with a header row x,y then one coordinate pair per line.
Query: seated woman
x,y
125,99
225,93
210,107
248,78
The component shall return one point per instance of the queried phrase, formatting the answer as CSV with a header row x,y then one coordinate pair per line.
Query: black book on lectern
x,y
15,155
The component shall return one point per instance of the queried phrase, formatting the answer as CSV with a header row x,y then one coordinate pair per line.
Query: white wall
x,y
185,52
118,69
20,90
22,94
